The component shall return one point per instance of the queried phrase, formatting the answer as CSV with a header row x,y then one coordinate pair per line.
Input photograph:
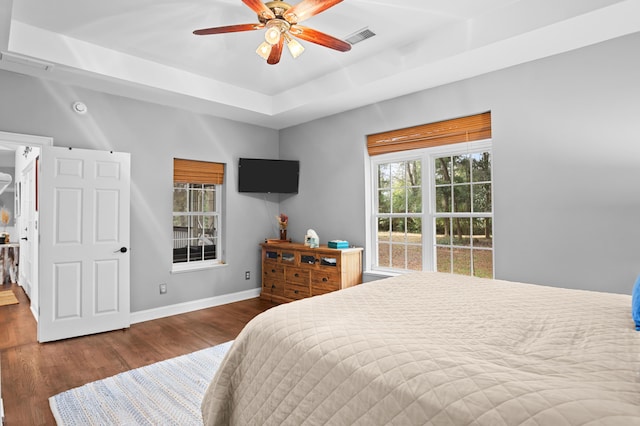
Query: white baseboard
x,y
182,308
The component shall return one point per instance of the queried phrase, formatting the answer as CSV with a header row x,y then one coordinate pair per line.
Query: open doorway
x,y
19,212
9,211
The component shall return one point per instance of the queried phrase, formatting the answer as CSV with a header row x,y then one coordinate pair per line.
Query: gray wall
x,y
566,155
566,143
154,135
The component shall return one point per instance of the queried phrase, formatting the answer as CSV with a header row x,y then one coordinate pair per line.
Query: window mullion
x,y
428,226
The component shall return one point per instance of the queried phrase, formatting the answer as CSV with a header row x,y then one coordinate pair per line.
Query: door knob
x,y
121,250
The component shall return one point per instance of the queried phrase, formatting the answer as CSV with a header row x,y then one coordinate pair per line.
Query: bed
x,y
431,348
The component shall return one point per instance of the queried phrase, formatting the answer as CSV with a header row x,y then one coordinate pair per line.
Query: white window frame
x,y
427,156
208,263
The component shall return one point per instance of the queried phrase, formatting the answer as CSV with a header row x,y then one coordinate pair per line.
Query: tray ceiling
x,y
145,49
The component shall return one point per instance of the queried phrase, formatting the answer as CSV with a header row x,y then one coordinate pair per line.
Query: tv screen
x,y
268,176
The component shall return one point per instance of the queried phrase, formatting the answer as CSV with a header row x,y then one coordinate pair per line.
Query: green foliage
x,y
462,185
461,169
399,187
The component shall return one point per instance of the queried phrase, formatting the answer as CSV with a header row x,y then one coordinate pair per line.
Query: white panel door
x,y
29,235
84,242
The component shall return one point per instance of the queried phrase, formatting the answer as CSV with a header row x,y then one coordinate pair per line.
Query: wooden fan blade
x,y
229,29
307,8
276,52
317,37
260,8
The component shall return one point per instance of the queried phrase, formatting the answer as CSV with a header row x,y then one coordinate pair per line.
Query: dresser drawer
x,y
297,275
273,272
308,258
275,287
296,291
329,262
317,290
326,278
323,287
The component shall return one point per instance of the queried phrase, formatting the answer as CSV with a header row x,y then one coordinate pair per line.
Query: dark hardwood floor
x,y
32,372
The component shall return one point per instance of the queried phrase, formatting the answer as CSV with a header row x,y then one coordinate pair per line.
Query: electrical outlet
x,y
163,288
247,275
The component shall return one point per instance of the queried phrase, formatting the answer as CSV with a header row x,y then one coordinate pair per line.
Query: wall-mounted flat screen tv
x,y
268,176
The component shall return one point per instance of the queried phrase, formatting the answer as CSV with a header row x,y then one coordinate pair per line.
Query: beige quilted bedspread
x,y
431,348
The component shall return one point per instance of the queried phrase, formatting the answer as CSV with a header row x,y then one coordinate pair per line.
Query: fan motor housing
x,y
279,8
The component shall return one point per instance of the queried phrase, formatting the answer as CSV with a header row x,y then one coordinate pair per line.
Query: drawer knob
x,y
273,270
324,280
273,286
295,291
296,275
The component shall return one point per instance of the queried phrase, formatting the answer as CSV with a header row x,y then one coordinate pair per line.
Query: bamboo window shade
x,y
464,129
193,171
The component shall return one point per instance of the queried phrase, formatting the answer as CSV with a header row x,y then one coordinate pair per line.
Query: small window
x,y
197,199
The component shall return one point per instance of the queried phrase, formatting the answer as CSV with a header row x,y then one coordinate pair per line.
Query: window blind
x,y
193,171
463,129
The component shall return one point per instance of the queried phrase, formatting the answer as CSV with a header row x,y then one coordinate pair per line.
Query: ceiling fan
x,y
281,21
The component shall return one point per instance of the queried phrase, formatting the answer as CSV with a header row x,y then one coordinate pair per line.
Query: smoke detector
x,y
79,107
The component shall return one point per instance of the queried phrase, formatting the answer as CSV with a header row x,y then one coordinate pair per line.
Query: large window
x,y
197,206
453,230
432,206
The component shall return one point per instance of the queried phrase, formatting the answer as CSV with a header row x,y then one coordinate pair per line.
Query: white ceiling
x,y
145,49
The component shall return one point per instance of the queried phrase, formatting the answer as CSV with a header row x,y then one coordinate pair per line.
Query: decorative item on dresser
x,y
293,271
283,221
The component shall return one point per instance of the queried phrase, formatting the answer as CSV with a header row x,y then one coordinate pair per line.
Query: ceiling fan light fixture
x,y
272,35
280,21
295,48
275,29
264,50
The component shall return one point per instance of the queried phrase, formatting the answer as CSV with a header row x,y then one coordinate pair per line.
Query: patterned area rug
x,y
165,393
7,298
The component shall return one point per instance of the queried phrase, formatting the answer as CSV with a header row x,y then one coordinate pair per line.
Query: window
x,y
197,202
432,206
399,215
463,214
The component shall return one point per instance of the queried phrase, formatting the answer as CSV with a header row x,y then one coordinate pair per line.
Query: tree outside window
x,y
463,214
458,216
399,217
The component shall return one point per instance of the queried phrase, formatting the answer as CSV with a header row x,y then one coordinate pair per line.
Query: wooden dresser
x,y
293,271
